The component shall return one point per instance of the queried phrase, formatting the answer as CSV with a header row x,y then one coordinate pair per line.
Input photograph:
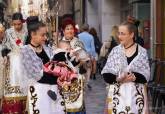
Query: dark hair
x,y
33,24
131,28
32,19
17,16
93,32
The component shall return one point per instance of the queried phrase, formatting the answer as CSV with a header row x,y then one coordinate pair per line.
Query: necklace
x,y
35,46
36,49
130,45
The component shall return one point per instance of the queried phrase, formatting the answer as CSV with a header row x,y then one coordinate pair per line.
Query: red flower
x,y
18,41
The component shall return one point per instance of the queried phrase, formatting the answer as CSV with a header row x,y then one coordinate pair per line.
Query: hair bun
x,y
132,20
17,16
32,20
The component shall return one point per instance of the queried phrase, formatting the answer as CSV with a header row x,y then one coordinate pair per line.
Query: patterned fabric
x,y
117,62
32,63
14,105
40,103
14,39
124,98
38,100
13,71
76,43
14,98
73,95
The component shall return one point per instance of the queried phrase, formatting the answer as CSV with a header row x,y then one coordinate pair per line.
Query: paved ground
x,y
95,98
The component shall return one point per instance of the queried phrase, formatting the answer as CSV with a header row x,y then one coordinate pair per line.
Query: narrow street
x,y
95,98
44,43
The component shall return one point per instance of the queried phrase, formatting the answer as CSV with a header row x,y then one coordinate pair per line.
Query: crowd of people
x,y
41,75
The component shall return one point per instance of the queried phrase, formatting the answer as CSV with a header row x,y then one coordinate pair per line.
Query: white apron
x,y
127,98
40,103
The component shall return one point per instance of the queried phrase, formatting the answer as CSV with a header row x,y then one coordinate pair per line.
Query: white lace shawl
x,y
11,36
32,64
117,62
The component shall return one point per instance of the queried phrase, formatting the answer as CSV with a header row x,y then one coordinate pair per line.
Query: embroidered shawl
x,y
117,62
14,39
32,64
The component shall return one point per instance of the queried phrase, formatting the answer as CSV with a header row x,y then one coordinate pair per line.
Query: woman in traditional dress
x,y
127,70
16,35
34,55
68,27
14,99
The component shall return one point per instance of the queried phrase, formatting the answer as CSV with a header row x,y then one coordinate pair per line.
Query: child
x,y
65,65
61,64
75,56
